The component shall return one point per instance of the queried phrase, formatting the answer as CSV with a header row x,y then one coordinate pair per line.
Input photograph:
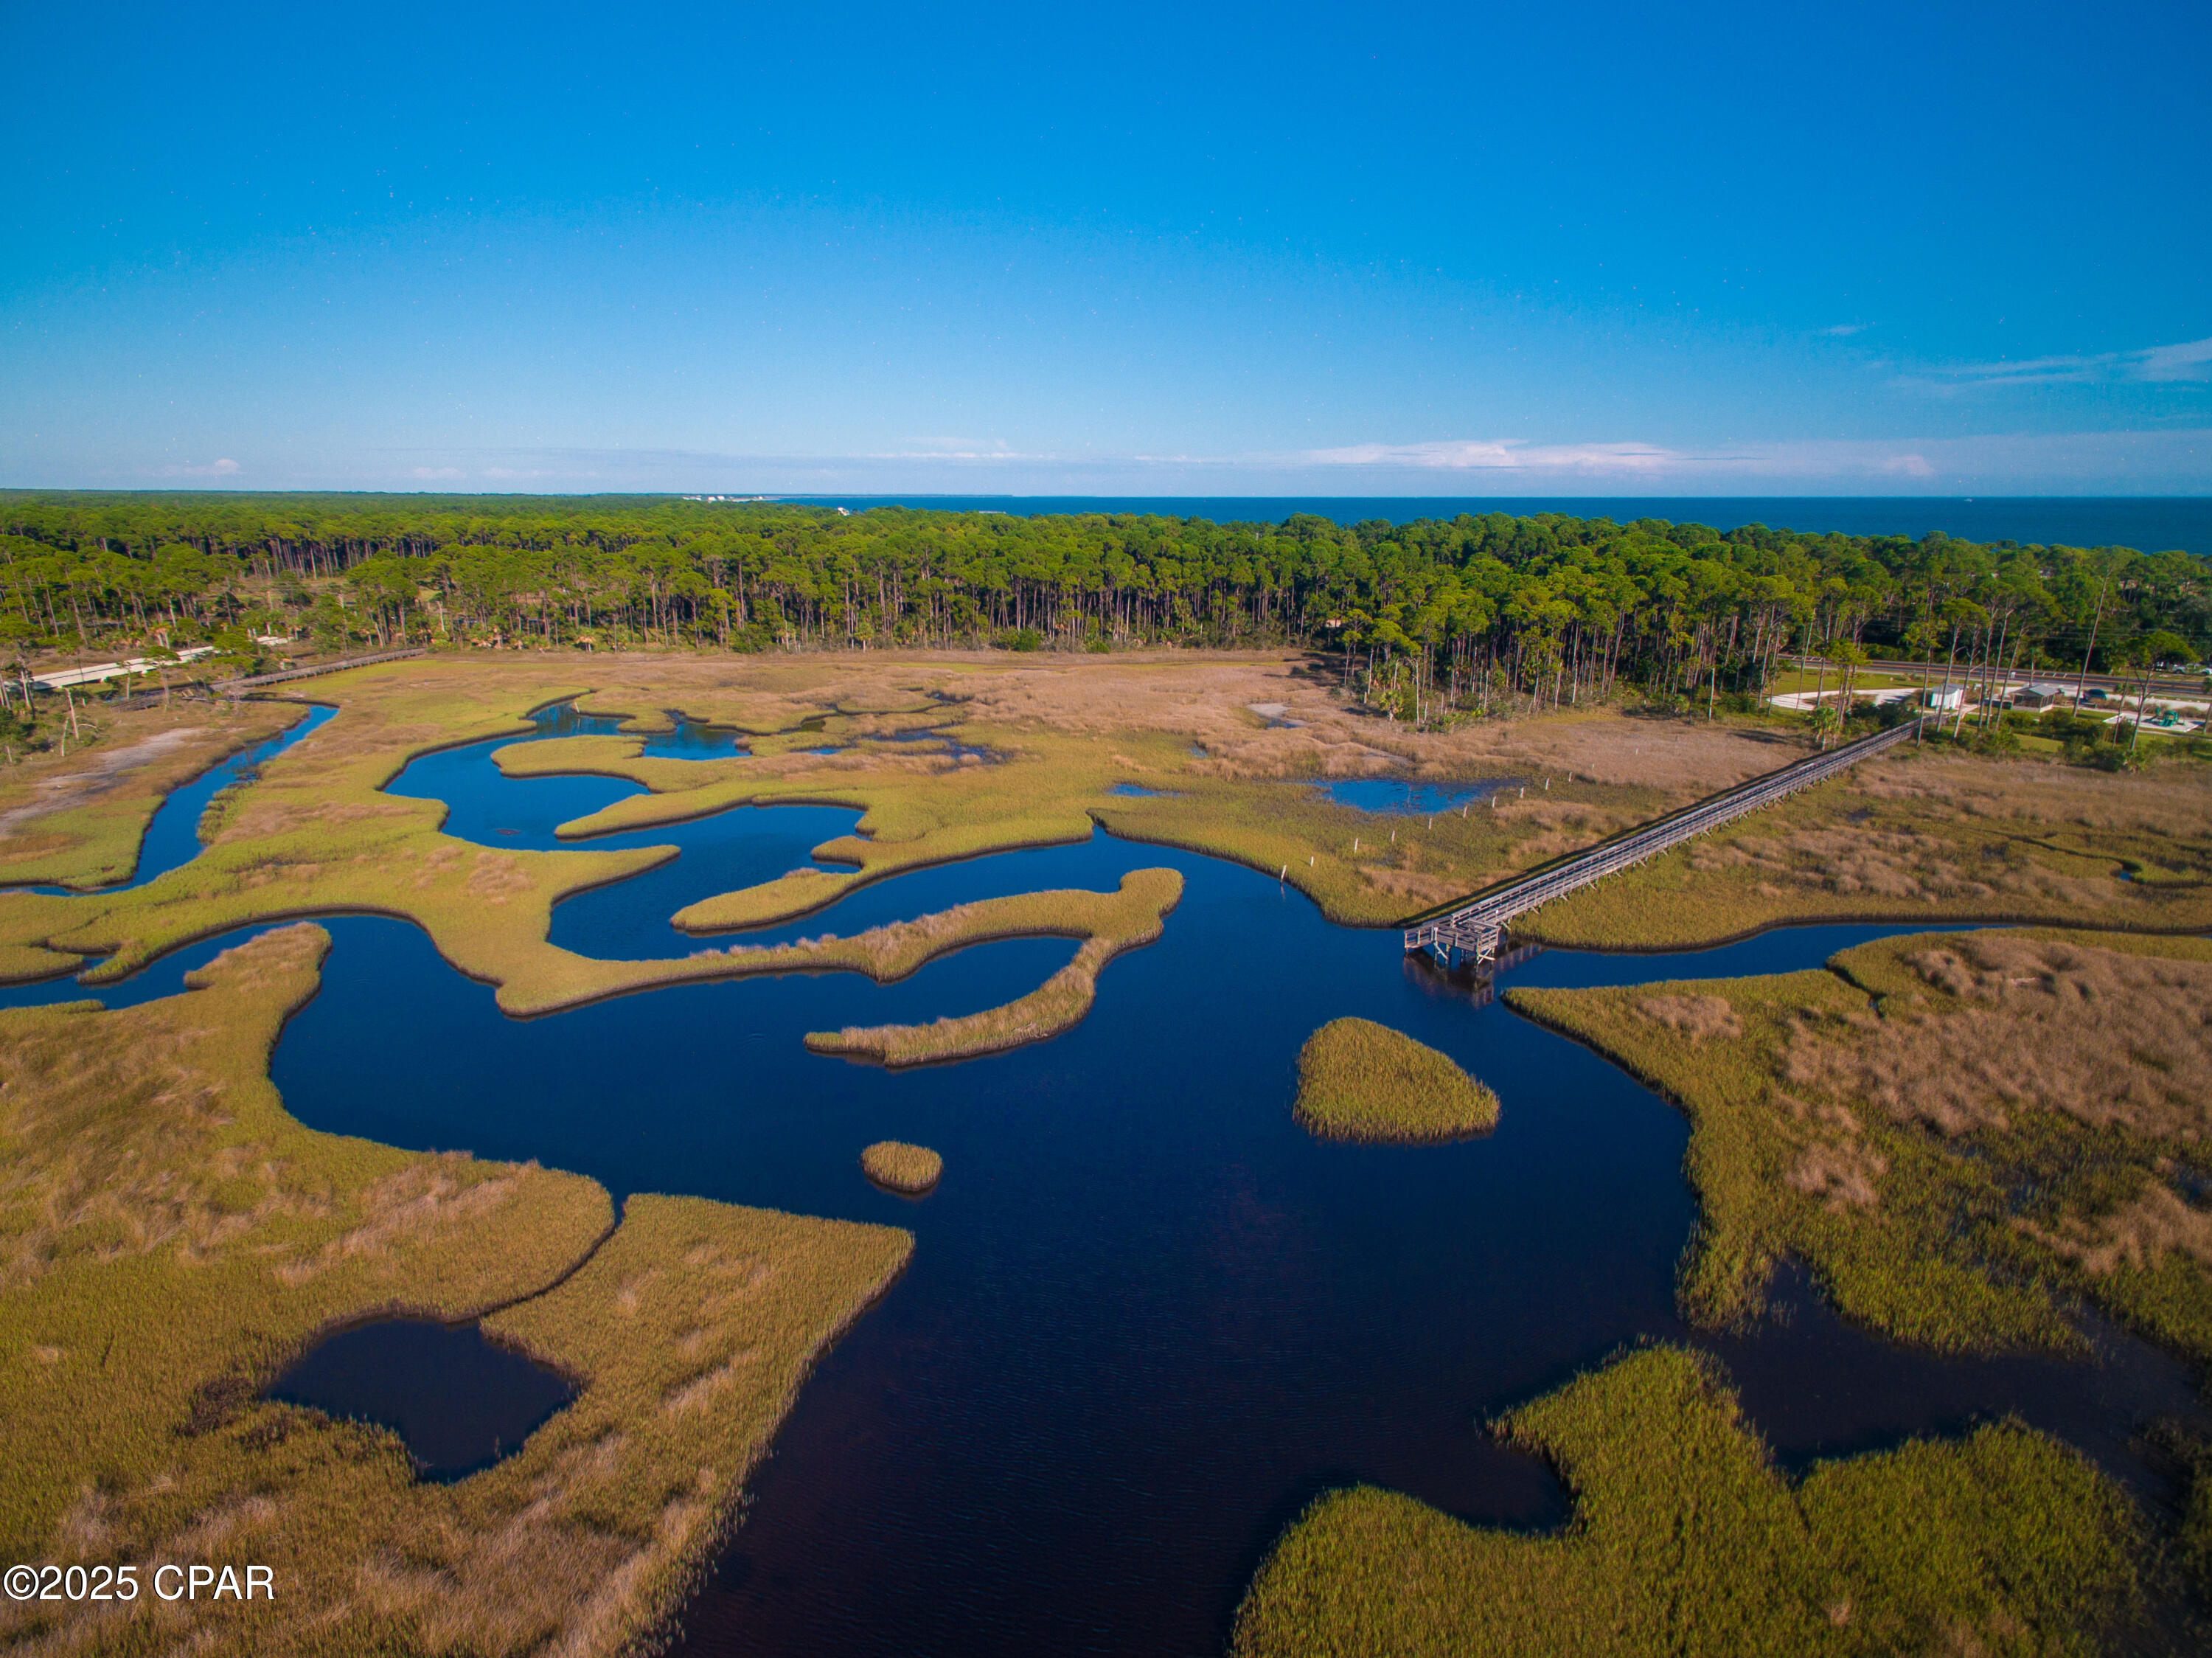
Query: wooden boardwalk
x,y
1473,930
230,687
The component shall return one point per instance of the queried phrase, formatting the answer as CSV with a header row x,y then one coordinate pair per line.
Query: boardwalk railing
x,y
1474,927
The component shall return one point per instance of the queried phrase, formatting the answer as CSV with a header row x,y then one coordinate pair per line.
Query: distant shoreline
x,y
2147,523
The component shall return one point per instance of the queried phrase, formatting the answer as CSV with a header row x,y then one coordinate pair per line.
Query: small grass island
x,y
900,1167
1361,1080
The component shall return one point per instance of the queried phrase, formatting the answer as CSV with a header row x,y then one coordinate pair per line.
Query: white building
x,y
101,673
1943,697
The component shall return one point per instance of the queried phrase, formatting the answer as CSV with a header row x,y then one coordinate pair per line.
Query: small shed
x,y
1945,696
2043,693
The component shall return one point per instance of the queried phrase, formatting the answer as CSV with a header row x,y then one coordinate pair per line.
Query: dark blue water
x,y
690,741
2150,523
1148,1317
173,838
459,1402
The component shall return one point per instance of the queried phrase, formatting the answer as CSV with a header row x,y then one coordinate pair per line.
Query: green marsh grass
x,y
1361,1080
1686,1541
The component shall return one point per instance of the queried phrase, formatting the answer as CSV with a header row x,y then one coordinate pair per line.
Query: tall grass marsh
x,y
1961,1134
902,1167
1361,1080
76,819
1935,836
1686,1540
174,1238
316,833
1957,1156
1063,732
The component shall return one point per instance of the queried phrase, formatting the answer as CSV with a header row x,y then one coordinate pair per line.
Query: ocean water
x,y
2147,523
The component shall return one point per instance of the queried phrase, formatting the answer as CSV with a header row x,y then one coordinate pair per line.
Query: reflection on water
x,y
458,1402
1403,797
1152,1318
690,741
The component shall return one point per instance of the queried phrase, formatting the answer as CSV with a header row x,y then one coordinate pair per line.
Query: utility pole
x,y
2082,684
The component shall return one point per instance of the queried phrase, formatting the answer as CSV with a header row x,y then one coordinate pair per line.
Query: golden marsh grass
x,y
1109,923
1961,1134
1940,836
1361,1080
902,1167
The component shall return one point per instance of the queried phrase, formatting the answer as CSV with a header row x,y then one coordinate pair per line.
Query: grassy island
x,y
1361,1080
1109,923
885,954
1959,1133
1686,1540
902,1167
175,1238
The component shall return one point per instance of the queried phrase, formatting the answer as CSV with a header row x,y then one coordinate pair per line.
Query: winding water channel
x,y
1148,1318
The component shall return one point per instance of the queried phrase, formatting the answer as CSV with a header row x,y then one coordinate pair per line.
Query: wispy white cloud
x,y
1501,454
426,472
222,468
1844,330
2034,463
2190,360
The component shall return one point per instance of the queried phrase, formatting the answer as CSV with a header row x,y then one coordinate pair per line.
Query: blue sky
x,y
1191,249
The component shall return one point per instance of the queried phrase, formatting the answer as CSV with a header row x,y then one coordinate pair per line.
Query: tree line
x,y
1481,611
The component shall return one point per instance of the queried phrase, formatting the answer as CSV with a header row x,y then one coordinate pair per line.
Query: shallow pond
x,y
1148,1318
1404,797
459,1402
